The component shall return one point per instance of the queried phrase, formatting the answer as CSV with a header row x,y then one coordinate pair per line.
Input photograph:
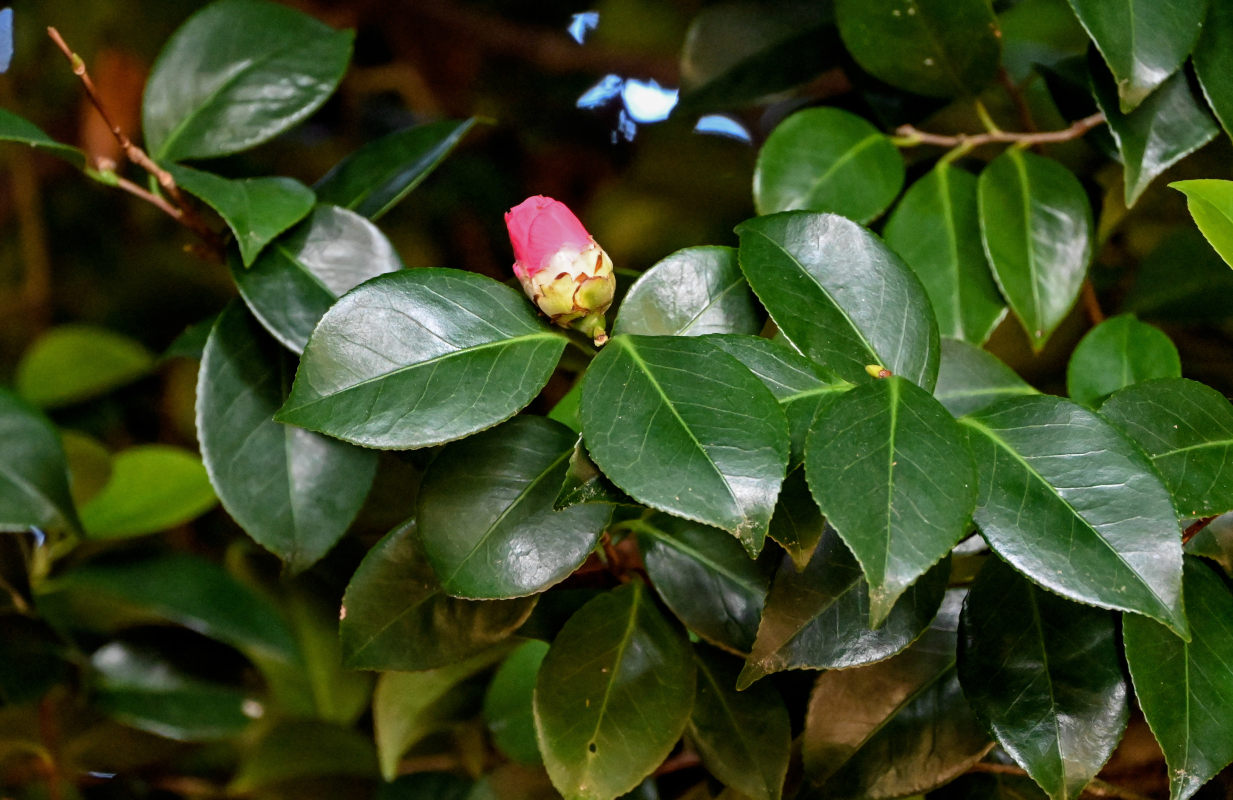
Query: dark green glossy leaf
x,y
1070,503
840,296
692,292
1211,204
1213,62
236,74
1142,41
706,579
72,363
375,178
613,695
1039,33
21,131
1186,429
396,615
584,483
485,512
1186,689
827,159
305,750
153,487
936,229
1202,292
1036,225
1045,675
971,379
685,428
302,274
744,738
1215,542
421,357
818,617
893,728
34,487
888,467
1117,353
293,491
939,48
255,209
1165,128
797,525
508,703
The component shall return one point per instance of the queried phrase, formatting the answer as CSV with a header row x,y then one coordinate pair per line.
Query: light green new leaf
x,y
421,357
695,291
1117,353
827,159
1211,204
152,488
34,485
1069,502
971,379
21,131
73,363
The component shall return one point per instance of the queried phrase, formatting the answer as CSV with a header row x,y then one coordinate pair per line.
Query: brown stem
x,y
1020,102
153,199
910,136
1091,304
1193,528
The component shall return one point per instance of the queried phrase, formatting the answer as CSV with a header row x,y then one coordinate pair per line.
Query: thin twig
x,y
1192,530
909,136
1091,304
1020,102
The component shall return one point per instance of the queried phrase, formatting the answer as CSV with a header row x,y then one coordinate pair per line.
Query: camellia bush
x,y
781,526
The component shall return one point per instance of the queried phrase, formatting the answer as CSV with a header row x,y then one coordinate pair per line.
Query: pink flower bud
x,y
561,268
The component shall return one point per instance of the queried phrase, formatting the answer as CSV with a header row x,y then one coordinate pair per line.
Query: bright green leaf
x,y
692,292
34,485
508,703
153,487
1211,204
971,379
72,363
1117,353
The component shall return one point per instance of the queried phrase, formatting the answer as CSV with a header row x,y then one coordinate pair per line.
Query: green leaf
x,y
1213,62
683,427
89,464
1039,33
34,485
692,292
138,687
255,209
888,467
153,487
827,159
840,296
236,74
939,48
1115,354
936,229
1045,675
301,750
407,706
1185,688
485,512
613,695
396,615
297,278
744,738
797,525
1215,542
1067,501
1211,204
1142,41
584,483
1165,128
294,492
375,178
818,617
421,357
20,130
706,579
508,703
896,727
1036,225
971,379
1186,429
72,363
1200,293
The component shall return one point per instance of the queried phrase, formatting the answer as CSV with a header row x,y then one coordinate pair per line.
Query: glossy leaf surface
x,y
375,178
1186,429
21,131
236,74
1213,62
1184,688
1045,675
34,488
1036,225
1211,204
827,159
508,703
293,491
397,616
74,363
797,525
840,296
936,229
1115,354
1069,502
970,379
485,512
939,48
692,292
298,277
152,488
584,483
685,428
818,617
888,467
393,362
613,695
